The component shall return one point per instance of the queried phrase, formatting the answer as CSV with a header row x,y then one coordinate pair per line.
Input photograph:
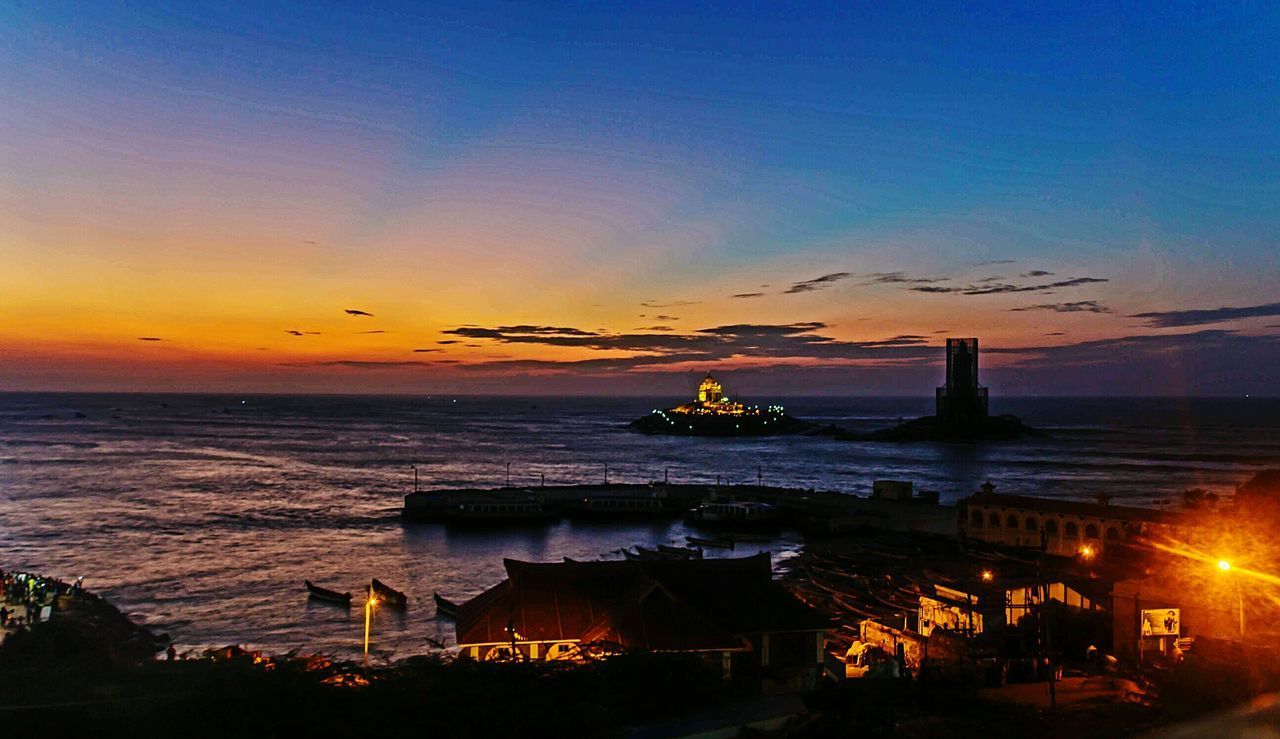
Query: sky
x,y
614,198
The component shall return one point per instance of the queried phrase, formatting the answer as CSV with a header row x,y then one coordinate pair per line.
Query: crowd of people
x,y
26,599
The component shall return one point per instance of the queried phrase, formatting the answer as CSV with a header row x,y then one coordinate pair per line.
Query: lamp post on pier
x,y
369,603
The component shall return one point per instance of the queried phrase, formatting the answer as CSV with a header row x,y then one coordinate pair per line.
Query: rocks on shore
x,y
933,428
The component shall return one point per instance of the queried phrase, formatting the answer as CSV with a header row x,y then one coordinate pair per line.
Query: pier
x,y
804,509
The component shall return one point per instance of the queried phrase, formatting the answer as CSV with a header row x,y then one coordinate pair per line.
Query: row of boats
x,y
694,549
382,592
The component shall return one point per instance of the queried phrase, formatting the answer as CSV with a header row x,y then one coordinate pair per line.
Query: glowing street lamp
x,y
1224,565
1086,552
369,603
988,576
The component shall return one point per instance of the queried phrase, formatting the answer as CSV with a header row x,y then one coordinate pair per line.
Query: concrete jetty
x,y
892,505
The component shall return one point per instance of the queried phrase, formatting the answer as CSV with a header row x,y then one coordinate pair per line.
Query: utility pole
x,y
415,477
1044,620
508,474
760,476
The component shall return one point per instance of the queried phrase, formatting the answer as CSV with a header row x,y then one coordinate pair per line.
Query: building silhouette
x,y
962,399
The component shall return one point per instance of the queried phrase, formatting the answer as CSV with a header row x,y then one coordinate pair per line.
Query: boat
x,y
327,595
745,538
682,552
445,607
387,594
739,514
721,542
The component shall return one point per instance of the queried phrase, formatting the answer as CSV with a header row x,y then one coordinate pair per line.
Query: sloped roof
x,y
1077,508
661,605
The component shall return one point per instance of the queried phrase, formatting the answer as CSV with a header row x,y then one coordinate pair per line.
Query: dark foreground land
x,y
87,673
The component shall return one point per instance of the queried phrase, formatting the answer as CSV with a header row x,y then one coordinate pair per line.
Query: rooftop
x,y
1077,508
660,606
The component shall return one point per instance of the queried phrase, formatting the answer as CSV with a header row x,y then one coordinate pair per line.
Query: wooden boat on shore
x,y
445,607
752,538
327,595
387,594
720,542
680,552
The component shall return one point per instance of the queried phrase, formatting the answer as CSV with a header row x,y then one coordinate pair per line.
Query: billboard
x,y
1161,622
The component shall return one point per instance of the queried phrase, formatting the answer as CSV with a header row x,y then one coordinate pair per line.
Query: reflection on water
x,y
203,514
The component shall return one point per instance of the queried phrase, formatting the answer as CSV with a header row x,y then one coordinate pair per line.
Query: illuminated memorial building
x,y
713,413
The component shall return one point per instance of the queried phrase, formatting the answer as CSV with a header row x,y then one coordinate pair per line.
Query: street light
x,y
369,603
988,575
1086,552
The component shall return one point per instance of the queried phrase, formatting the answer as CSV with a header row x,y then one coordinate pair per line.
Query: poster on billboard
x,y
1161,622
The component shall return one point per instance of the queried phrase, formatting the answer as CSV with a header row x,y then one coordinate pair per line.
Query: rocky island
x,y
961,409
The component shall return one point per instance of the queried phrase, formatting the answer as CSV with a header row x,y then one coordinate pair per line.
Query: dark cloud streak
x,y
1200,317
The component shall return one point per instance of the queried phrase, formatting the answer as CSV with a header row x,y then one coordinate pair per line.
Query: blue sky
x,y
560,165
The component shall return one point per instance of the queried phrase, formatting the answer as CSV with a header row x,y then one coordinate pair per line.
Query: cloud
x,y
1037,273
150,338
654,328
792,340
1056,333
666,318
426,351
1002,288
379,331
1080,306
899,278
1137,348
1199,317
747,295
358,364
817,283
354,312
993,262
672,304
448,341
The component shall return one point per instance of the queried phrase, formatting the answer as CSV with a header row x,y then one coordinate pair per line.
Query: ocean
x,y
201,515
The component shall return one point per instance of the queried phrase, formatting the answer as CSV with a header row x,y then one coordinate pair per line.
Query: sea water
x,y
201,515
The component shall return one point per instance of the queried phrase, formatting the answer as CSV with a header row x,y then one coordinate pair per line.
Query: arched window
x,y
994,520
1051,527
1091,531
1011,521
1071,529
1029,524
1113,534
977,519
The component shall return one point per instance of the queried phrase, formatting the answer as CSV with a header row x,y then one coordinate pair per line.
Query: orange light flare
x,y
1086,552
1222,565
988,576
